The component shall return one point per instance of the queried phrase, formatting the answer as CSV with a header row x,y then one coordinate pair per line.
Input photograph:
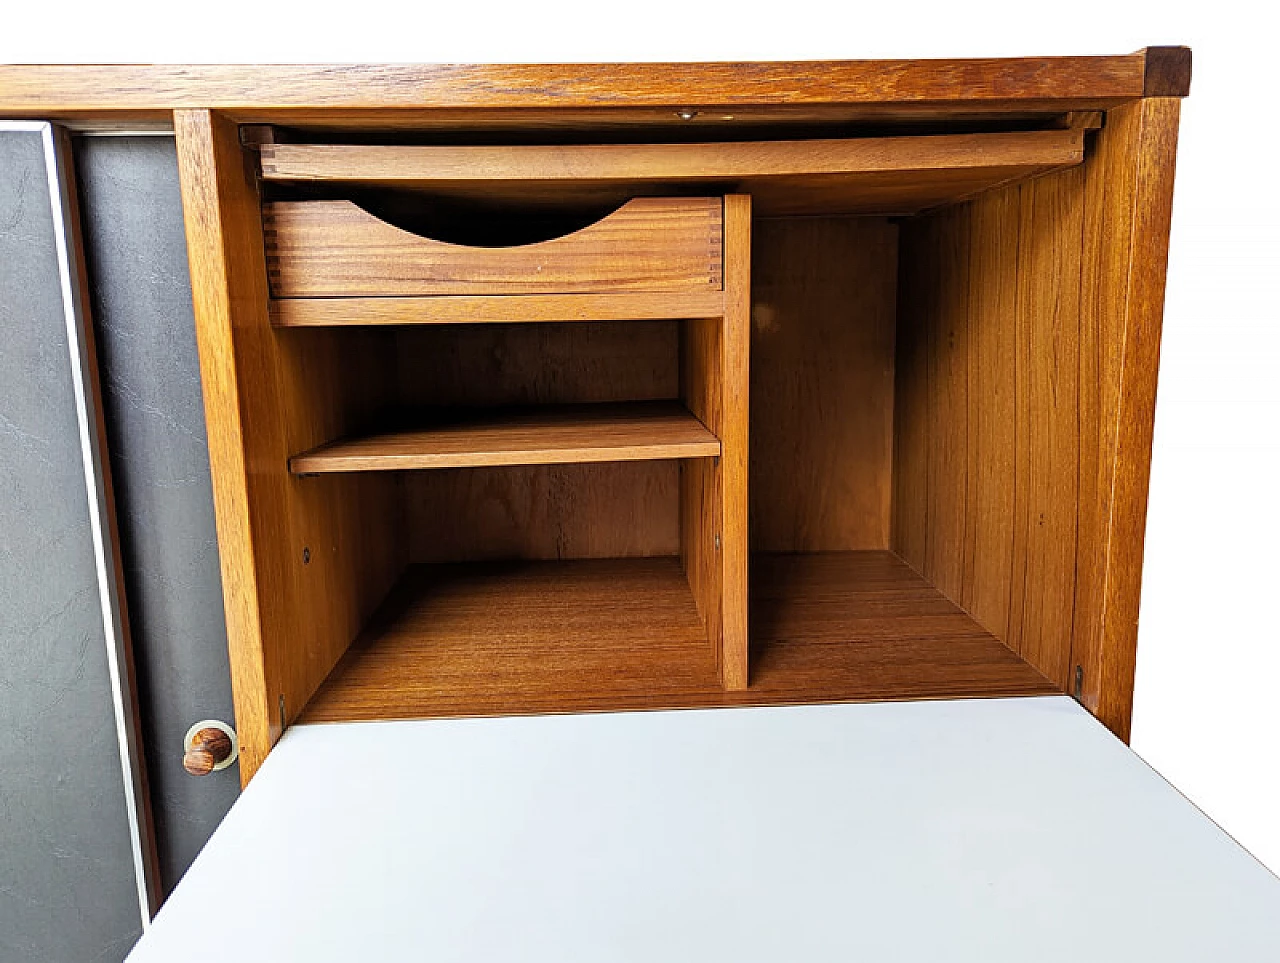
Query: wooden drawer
x,y
334,249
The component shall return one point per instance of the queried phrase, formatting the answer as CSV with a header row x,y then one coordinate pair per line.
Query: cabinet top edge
x,y
317,94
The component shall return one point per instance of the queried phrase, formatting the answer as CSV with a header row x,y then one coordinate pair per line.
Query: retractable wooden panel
x,y
554,389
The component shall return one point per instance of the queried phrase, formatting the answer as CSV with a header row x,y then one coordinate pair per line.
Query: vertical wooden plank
x,y
988,540
229,294
1046,457
948,326
714,492
304,561
735,415
701,479
1129,183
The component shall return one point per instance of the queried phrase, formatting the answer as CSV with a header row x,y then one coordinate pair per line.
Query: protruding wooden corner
x,y
1168,72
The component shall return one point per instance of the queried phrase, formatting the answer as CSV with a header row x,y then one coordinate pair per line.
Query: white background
x,y
1207,715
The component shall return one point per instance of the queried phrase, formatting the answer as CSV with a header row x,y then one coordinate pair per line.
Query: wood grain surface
x,y
302,566
318,249
222,221
1028,344
535,364
858,626
822,342
481,309
298,92
641,431
702,378
512,638
987,452
995,438
595,510
523,636
821,176
1128,202
432,165
734,433
567,511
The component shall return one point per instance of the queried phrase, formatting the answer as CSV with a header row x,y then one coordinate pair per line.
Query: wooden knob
x,y
208,747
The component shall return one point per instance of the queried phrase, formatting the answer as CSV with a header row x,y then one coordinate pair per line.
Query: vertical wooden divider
x,y
305,561
233,332
713,516
733,433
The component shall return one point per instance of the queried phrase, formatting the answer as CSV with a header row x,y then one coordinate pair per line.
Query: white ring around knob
x,y
214,724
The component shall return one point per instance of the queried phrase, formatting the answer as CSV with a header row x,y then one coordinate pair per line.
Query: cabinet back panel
x,y
538,364
822,348
605,510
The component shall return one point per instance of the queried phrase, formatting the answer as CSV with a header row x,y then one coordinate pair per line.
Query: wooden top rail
x,y
351,94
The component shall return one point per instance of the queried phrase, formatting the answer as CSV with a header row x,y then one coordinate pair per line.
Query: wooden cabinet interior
x,y
889,441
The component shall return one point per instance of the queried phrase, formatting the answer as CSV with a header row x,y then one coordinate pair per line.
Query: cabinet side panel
x,y
304,561
1060,304
1129,193
229,296
986,446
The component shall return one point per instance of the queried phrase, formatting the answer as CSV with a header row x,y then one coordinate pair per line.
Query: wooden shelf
x,y
888,175
566,434
529,637
497,638
863,626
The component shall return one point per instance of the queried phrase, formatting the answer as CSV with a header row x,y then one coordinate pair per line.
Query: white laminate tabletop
x,y
977,830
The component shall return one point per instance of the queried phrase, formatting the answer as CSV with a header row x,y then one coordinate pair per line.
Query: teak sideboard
x,y
554,389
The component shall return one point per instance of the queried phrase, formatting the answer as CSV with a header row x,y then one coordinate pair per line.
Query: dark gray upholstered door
x,y
103,565
150,373
75,850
